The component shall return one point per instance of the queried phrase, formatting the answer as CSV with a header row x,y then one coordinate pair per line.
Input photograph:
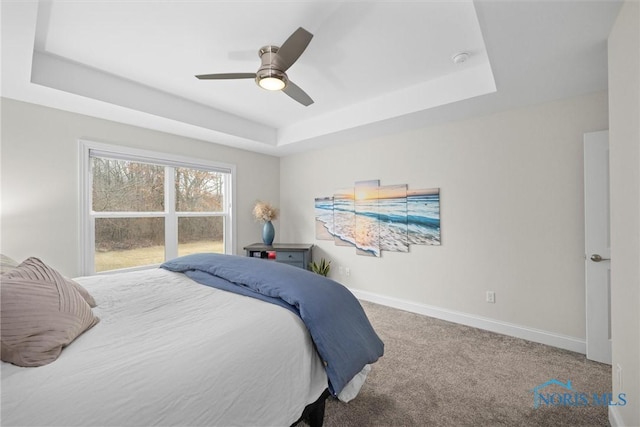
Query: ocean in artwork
x,y
391,221
423,216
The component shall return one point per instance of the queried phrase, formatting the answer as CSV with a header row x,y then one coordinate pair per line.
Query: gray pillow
x,y
41,313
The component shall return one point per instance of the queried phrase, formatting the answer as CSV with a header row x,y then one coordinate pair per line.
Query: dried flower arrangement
x,y
263,211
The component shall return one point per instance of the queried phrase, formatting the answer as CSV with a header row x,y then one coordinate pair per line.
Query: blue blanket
x,y
343,336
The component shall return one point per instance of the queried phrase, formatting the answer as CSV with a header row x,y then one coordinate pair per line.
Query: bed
x,y
168,350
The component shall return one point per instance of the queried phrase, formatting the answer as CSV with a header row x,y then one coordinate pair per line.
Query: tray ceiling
x,y
372,67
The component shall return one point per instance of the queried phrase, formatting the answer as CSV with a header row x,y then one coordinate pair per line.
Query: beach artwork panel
x,y
344,218
392,215
367,232
374,218
324,218
423,214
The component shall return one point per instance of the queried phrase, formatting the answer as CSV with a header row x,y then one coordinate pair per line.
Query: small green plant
x,y
322,268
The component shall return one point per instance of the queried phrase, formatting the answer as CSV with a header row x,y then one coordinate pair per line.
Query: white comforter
x,y
169,351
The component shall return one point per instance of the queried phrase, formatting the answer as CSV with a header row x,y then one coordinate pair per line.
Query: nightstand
x,y
296,254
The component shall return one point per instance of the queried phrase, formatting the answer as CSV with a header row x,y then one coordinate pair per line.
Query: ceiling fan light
x,y
270,78
271,83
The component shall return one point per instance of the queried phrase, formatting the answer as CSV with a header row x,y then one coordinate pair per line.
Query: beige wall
x,y
511,213
40,172
624,137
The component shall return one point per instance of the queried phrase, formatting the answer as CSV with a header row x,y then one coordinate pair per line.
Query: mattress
x,y
169,351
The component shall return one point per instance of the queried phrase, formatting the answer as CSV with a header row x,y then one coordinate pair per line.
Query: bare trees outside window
x,y
143,213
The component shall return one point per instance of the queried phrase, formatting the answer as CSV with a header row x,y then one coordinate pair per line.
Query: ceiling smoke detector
x,y
460,57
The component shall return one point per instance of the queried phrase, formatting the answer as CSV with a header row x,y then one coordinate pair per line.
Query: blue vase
x,y
268,233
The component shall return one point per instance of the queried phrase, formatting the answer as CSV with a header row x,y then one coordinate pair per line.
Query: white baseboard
x,y
536,335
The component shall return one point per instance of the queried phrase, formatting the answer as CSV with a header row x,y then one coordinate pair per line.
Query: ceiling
x,y
372,67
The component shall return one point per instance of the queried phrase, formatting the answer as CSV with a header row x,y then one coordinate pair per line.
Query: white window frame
x,y
88,216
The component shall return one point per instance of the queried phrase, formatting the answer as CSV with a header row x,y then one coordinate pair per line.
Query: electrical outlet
x,y
347,271
491,297
340,270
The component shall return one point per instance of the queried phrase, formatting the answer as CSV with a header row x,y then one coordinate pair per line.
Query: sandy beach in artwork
x,y
321,231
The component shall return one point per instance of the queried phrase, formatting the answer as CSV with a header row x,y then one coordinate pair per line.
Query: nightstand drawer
x,y
295,254
285,256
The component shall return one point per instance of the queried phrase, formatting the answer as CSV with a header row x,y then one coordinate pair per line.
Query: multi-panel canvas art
x,y
374,218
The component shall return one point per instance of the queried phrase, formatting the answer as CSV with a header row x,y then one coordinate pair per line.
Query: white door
x,y
597,246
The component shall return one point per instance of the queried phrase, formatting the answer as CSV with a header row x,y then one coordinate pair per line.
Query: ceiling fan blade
x,y
292,48
226,76
297,94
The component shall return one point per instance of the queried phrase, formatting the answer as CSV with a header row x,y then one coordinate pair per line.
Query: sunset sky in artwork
x,y
392,191
367,190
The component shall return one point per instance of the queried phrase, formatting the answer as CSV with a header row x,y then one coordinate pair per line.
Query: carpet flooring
x,y
437,373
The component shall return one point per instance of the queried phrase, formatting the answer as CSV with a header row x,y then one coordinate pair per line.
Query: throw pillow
x,y
41,313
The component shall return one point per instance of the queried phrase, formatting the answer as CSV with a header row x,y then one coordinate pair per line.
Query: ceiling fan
x,y
275,62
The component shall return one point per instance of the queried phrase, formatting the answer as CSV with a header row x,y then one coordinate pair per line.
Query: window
x,y
141,208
